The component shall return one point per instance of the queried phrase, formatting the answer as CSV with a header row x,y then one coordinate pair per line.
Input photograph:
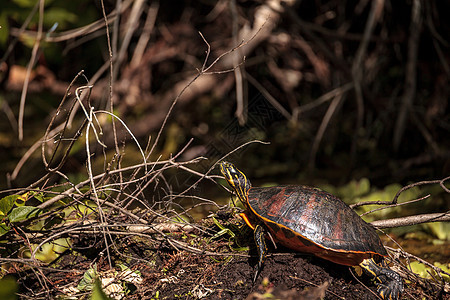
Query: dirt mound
x,y
200,268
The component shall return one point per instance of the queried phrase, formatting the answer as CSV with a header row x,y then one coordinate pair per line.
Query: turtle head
x,y
236,179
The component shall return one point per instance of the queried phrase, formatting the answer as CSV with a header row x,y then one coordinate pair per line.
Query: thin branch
x,y
332,108
387,204
358,69
239,73
81,184
412,220
13,43
410,72
204,69
111,81
269,97
440,181
30,67
129,131
297,111
394,201
145,35
73,33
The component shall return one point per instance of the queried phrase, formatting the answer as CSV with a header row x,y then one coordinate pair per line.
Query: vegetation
x,y
116,113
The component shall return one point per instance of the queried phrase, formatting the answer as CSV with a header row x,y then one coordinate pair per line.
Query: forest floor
x,y
168,273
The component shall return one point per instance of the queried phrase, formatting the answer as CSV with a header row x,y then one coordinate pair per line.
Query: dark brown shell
x,y
308,219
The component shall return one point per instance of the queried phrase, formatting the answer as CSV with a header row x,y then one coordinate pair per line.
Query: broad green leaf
x,y
61,245
419,269
4,31
425,272
7,203
3,229
355,188
30,3
440,229
50,251
25,3
8,288
86,283
445,268
59,15
97,292
22,213
39,196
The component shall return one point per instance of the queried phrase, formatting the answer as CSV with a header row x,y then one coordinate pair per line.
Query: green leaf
x,y
7,203
25,3
97,292
419,268
50,251
426,272
3,229
445,268
8,288
22,213
39,196
4,31
59,15
86,283
440,229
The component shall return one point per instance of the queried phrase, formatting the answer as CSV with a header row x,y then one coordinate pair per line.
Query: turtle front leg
x,y
389,285
261,247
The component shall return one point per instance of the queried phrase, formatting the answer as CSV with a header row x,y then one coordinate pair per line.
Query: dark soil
x,y
168,273
285,276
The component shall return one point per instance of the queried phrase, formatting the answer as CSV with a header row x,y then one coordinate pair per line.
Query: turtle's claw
x,y
390,285
387,292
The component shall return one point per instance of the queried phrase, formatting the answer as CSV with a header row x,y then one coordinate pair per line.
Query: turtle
x,y
310,220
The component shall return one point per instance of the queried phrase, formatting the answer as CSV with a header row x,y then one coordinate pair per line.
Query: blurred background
x,y
342,90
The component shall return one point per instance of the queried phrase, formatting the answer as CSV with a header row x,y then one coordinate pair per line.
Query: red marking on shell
x,y
338,234
275,204
311,205
304,246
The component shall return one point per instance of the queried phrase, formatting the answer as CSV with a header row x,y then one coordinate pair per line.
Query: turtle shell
x,y
310,220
